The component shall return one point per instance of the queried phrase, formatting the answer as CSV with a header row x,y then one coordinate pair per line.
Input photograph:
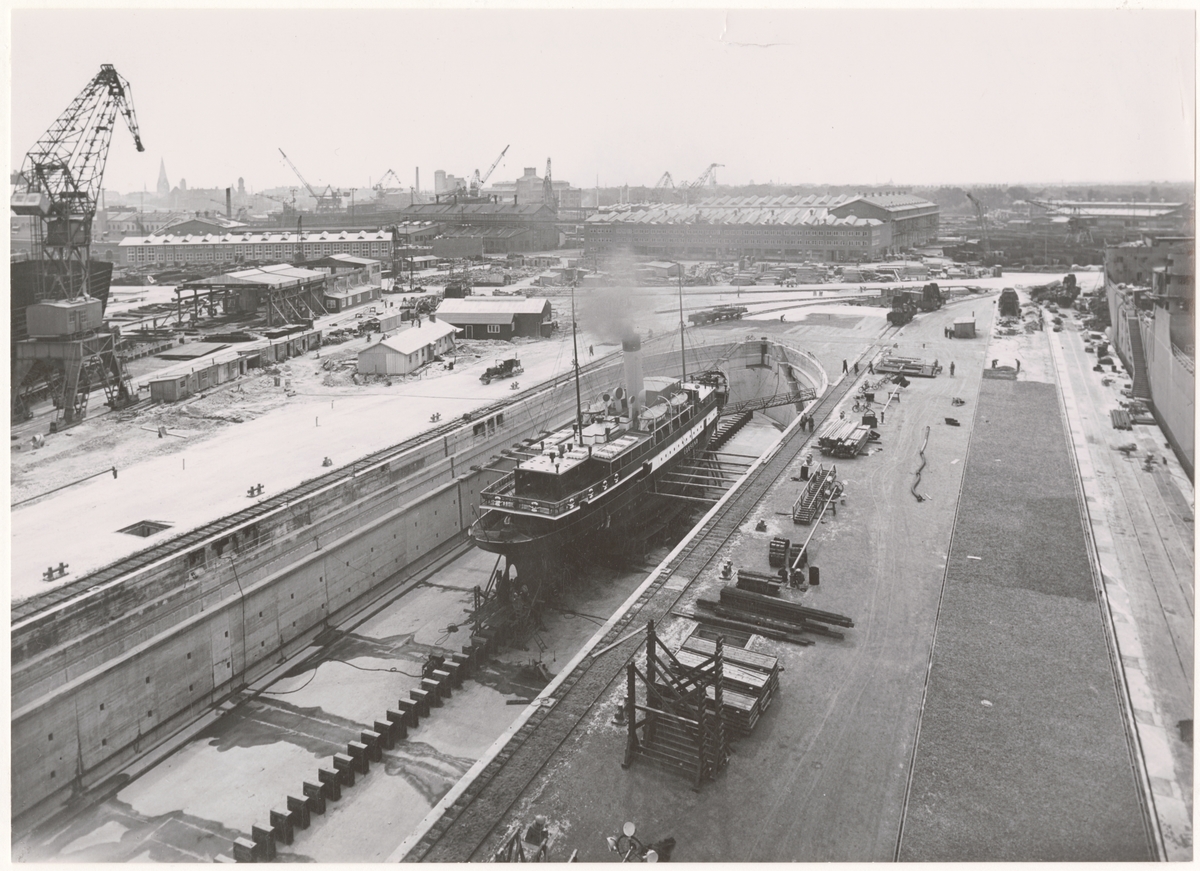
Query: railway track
x,y
465,826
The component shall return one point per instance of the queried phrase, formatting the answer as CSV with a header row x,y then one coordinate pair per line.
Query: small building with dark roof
x,y
488,317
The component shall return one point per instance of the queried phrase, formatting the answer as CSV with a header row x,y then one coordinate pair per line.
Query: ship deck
x,y
968,629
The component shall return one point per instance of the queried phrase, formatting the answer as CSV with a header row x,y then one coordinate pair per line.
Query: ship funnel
x,y
632,353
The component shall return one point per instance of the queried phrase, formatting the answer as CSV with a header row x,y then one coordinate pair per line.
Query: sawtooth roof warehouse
x,y
831,228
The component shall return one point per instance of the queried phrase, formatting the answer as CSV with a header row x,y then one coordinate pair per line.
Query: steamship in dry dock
x,y
596,481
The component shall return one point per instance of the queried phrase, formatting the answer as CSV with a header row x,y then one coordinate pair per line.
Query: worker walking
x,y
951,368
855,367
845,367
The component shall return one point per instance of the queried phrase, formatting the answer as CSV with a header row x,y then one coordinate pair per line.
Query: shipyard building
x,y
169,248
830,228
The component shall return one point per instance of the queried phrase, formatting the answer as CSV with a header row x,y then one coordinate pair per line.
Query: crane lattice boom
x,y
61,178
706,176
665,181
327,200
987,242
66,166
381,186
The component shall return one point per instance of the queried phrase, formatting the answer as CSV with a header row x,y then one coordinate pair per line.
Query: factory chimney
x,y
631,351
228,202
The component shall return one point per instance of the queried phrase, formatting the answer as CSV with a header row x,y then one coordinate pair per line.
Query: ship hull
x,y
539,547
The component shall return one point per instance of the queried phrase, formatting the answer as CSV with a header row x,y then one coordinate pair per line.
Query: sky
x,y
618,96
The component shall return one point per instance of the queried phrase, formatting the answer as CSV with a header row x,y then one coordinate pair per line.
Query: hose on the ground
x,y
913,489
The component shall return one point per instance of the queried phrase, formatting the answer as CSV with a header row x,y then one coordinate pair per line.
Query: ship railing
x,y
502,494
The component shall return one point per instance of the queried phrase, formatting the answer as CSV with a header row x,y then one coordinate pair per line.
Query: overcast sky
x,y
816,96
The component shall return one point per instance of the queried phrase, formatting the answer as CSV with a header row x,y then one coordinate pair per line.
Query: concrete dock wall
x,y
99,680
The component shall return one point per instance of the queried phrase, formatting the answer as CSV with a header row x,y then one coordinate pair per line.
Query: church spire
x,y
164,186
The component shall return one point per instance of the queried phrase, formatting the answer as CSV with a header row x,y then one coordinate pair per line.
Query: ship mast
x,y
575,345
682,350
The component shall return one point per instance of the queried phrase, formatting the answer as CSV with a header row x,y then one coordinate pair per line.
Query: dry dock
x,y
847,765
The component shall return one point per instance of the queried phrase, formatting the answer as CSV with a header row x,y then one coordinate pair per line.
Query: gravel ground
x,y
1022,753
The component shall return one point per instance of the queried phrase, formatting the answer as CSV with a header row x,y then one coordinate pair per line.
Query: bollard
x,y
411,710
298,807
443,677
315,793
421,697
332,783
344,763
386,741
359,752
399,723
374,742
243,850
434,688
264,839
282,824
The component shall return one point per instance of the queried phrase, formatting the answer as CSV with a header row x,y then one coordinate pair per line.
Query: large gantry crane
x,y
58,186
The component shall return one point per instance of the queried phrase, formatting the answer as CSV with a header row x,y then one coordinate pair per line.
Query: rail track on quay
x,y
465,825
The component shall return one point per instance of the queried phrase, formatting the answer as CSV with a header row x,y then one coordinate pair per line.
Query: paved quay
x,y
837,769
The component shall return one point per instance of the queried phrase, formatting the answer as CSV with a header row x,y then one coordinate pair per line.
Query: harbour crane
x,y
665,182
59,186
60,180
477,183
706,177
329,200
987,242
381,188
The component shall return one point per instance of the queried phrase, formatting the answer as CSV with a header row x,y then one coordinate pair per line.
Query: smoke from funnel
x,y
615,313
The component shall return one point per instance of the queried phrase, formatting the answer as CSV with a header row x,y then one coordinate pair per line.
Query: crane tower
x,y
60,345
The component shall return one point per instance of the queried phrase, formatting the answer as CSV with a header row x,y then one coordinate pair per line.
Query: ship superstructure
x,y
596,478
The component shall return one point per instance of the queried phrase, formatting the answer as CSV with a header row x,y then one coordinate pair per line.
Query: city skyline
x,y
870,97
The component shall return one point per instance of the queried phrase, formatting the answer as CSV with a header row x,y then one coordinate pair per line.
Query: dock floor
x,y
846,765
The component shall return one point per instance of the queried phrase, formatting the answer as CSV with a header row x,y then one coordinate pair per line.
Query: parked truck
x,y
503,369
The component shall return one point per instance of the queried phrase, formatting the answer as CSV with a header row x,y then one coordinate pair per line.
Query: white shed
x,y
408,349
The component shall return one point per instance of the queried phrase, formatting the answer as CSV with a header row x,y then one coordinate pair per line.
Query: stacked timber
x,y
844,438
780,609
1121,419
757,582
750,681
774,615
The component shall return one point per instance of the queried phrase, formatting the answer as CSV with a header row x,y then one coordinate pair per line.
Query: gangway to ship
x,y
804,394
